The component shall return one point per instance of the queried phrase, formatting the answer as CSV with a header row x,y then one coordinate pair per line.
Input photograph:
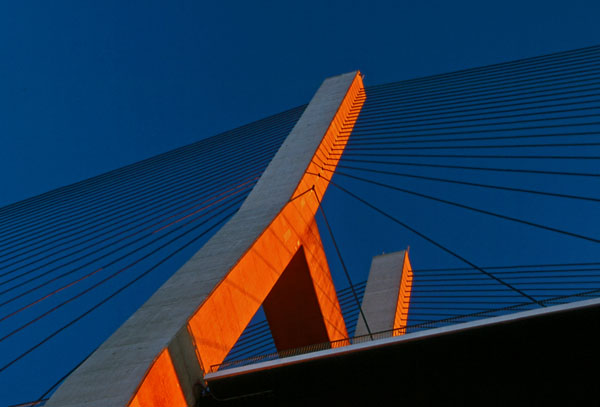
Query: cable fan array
x,y
65,255
528,129
457,165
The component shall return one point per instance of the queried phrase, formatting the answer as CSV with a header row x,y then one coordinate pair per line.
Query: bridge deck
x,y
522,358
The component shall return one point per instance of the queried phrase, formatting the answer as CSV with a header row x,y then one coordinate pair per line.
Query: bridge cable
x,y
483,211
472,184
337,250
109,297
471,168
430,240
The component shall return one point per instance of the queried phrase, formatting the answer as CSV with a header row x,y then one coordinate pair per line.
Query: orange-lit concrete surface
x,y
220,321
160,386
401,318
222,317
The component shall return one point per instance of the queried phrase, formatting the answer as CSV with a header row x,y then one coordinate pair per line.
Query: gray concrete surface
x,y
380,300
111,375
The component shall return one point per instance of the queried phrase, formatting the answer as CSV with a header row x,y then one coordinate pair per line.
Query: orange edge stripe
x,y
404,293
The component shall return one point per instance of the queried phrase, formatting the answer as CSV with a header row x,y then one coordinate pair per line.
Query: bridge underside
x,y
529,358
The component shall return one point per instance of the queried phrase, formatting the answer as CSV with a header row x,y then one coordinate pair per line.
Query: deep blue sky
x,y
86,87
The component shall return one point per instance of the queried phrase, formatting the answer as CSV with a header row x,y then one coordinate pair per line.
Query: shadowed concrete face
x,y
387,295
292,308
194,319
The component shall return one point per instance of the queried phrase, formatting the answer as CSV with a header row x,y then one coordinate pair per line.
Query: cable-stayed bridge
x,y
490,176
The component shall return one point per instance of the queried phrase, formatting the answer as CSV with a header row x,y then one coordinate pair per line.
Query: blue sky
x,y
87,87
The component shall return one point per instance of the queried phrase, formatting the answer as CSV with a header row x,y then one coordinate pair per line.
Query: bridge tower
x,y
269,254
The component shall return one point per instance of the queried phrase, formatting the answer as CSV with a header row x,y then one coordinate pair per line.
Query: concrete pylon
x,y
387,295
159,355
